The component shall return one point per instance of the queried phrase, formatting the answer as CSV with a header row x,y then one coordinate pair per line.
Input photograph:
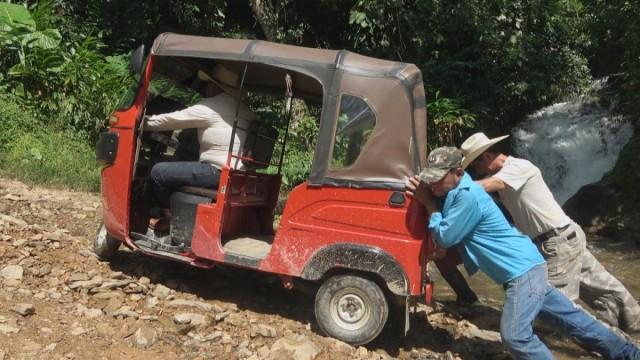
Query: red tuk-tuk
x,y
349,228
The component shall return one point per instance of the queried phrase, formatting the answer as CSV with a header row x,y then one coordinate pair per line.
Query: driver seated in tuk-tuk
x,y
213,117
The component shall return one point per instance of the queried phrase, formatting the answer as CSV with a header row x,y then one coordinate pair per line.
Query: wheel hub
x,y
351,308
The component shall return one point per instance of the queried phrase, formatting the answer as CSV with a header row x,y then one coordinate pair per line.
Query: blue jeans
x,y
167,177
530,295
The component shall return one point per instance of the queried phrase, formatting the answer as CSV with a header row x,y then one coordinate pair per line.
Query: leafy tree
x,y
614,46
124,24
304,22
32,52
68,81
447,121
501,59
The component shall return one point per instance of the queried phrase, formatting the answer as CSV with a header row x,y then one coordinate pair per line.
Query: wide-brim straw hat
x,y
224,78
475,145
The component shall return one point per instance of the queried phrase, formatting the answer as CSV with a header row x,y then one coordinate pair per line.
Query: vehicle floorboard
x,y
254,246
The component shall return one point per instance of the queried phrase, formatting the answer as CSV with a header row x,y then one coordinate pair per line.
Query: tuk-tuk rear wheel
x,y
104,245
351,309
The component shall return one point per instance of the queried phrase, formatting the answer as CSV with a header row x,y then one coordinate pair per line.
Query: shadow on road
x,y
263,294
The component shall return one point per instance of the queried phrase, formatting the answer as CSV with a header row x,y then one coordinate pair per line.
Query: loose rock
x,y
190,318
466,329
235,320
75,277
8,329
151,302
262,330
161,292
77,330
24,309
88,312
194,304
145,337
87,284
12,272
125,312
340,347
298,347
13,220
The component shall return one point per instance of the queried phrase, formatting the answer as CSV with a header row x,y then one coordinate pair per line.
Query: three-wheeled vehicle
x,y
349,228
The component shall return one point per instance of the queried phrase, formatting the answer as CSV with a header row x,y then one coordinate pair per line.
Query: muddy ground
x,y
58,301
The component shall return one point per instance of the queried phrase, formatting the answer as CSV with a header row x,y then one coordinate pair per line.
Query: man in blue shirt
x,y
471,221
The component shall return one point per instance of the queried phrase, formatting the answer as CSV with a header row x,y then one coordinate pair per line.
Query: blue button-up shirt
x,y
469,217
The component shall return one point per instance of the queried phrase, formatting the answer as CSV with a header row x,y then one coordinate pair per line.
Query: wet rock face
x,y
602,209
611,206
580,207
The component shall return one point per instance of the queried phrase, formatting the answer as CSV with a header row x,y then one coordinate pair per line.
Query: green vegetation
x,y
485,64
57,159
31,151
301,140
14,120
614,46
56,92
300,147
67,83
447,120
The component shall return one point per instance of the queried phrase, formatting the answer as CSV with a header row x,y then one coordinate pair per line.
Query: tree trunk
x,y
264,12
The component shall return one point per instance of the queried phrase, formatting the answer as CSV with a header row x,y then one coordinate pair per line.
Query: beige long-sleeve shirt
x,y
213,117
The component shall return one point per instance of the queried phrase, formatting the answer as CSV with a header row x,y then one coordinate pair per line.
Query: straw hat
x,y
475,145
224,78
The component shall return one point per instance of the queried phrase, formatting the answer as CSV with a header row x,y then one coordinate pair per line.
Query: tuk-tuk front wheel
x,y
351,309
104,245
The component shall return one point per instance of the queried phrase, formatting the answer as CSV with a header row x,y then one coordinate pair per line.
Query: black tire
x,y
104,245
351,309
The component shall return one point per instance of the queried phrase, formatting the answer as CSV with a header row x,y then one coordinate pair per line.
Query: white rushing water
x,y
573,143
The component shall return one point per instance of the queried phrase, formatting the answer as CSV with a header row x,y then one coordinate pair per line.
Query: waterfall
x,y
573,143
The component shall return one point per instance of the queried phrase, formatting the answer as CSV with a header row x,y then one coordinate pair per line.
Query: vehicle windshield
x,y
129,96
174,80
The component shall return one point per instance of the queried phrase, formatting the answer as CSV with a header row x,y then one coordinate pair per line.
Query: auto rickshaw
x,y
349,229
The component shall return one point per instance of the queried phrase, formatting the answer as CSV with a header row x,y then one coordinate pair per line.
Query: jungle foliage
x,y
485,64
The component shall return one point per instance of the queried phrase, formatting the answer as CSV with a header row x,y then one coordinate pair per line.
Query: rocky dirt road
x,y
58,301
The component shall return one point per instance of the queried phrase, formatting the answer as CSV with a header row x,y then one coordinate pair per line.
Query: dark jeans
x,y
167,177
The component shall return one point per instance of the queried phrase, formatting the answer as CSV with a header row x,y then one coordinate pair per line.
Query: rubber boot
x,y
465,296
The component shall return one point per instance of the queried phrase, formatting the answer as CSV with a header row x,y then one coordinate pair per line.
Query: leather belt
x,y
553,232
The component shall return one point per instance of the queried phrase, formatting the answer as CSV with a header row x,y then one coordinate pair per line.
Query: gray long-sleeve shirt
x,y
213,117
